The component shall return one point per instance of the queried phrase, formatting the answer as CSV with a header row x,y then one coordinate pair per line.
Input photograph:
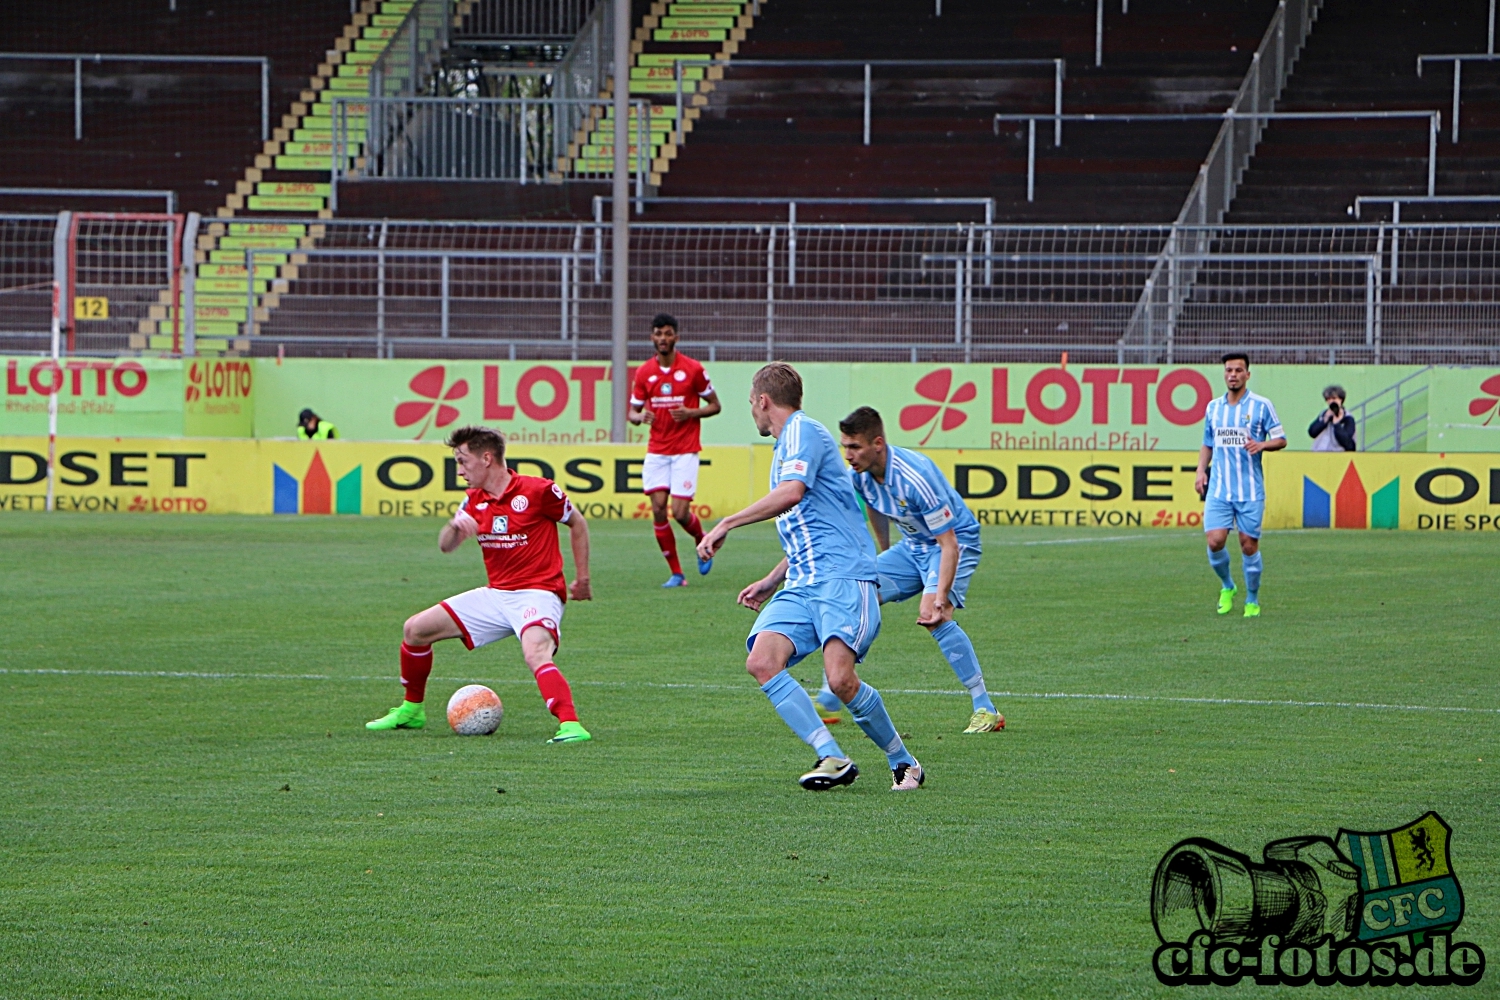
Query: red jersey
x,y
664,390
518,534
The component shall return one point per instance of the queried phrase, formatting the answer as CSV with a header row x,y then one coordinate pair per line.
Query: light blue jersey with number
x,y
1235,473
918,497
824,536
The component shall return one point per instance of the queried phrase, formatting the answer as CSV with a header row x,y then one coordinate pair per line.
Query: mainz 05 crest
x,y
1377,908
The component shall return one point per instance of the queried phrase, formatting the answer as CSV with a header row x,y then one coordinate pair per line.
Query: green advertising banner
x,y
129,397
988,407
993,407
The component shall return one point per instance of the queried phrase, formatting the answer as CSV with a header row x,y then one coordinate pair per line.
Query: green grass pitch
x,y
192,807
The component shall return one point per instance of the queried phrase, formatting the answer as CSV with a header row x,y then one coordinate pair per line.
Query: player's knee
x,y
411,632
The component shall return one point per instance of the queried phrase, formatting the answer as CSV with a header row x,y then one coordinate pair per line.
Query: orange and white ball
x,y
475,710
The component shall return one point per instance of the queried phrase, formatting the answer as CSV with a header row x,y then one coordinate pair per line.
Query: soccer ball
x,y
475,710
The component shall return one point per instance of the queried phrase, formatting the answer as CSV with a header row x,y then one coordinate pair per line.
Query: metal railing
x,y
1458,69
522,21
405,68
1059,71
1434,122
58,194
589,62
1397,200
1401,409
521,139
78,59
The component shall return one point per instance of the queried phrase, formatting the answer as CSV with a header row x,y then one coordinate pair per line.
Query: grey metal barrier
x,y
589,61
527,140
1059,71
169,197
424,289
79,58
1434,122
1458,67
523,21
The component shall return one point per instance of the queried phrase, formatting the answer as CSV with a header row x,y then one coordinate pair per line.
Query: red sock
x,y
695,527
667,539
556,693
416,664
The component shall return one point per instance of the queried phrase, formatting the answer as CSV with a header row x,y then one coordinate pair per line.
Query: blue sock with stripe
x,y
1252,578
959,651
1220,562
869,713
796,710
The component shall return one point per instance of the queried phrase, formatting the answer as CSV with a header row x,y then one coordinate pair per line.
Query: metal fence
x,y
1343,294
521,21
406,67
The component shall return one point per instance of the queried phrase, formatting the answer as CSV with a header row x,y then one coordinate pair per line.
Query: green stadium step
x,y
349,69
347,85
235,272
238,257
202,328
383,32
689,35
257,242
659,60
654,131
356,137
267,229
233,286
360,58
608,153
285,203
732,9
693,21
322,163
667,86
653,112
292,188
387,20
667,73
376,45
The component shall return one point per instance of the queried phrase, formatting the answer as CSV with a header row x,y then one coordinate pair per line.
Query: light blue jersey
x,y
1236,474
918,497
824,536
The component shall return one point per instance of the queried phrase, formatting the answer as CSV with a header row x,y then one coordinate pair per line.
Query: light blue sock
x,y
1220,562
1252,578
827,700
959,650
796,710
869,712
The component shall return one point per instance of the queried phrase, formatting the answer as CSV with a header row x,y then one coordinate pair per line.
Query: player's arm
x,y
1275,435
756,595
882,526
455,531
578,537
1200,482
775,503
638,412
947,567
708,406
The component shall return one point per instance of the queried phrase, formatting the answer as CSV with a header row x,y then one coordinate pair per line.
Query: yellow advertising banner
x,y
383,479
1105,489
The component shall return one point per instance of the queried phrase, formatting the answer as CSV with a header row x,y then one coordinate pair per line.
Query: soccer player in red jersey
x,y
672,393
515,520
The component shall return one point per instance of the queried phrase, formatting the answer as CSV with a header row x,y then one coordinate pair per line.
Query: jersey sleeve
x,y
701,385
638,387
801,455
1208,429
927,500
1274,429
553,503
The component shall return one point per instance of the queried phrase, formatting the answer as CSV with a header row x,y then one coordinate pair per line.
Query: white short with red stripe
x,y
485,615
677,474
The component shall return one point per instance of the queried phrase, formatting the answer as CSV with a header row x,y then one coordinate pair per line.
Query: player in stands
x,y
1237,428
515,520
830,601
666,394
936,557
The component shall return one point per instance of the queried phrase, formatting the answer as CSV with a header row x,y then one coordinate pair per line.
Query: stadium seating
x,y
1364,57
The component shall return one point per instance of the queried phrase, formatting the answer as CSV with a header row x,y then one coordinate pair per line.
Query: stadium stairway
x,y
289,179
1363,57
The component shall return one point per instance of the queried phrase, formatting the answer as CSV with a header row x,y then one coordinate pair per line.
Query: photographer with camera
x,y
1334,428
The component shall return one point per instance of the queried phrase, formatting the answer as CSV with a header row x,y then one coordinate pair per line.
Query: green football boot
x,y
407,715
1252,611
571,732
985,721
1226,600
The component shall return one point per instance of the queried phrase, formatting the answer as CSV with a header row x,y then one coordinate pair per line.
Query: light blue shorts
x,y
810,616
906,570
1243,514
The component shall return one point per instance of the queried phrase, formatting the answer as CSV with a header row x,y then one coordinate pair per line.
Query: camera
x,y
1334,406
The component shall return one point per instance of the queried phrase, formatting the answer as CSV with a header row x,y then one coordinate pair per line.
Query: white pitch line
x,y
686,685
